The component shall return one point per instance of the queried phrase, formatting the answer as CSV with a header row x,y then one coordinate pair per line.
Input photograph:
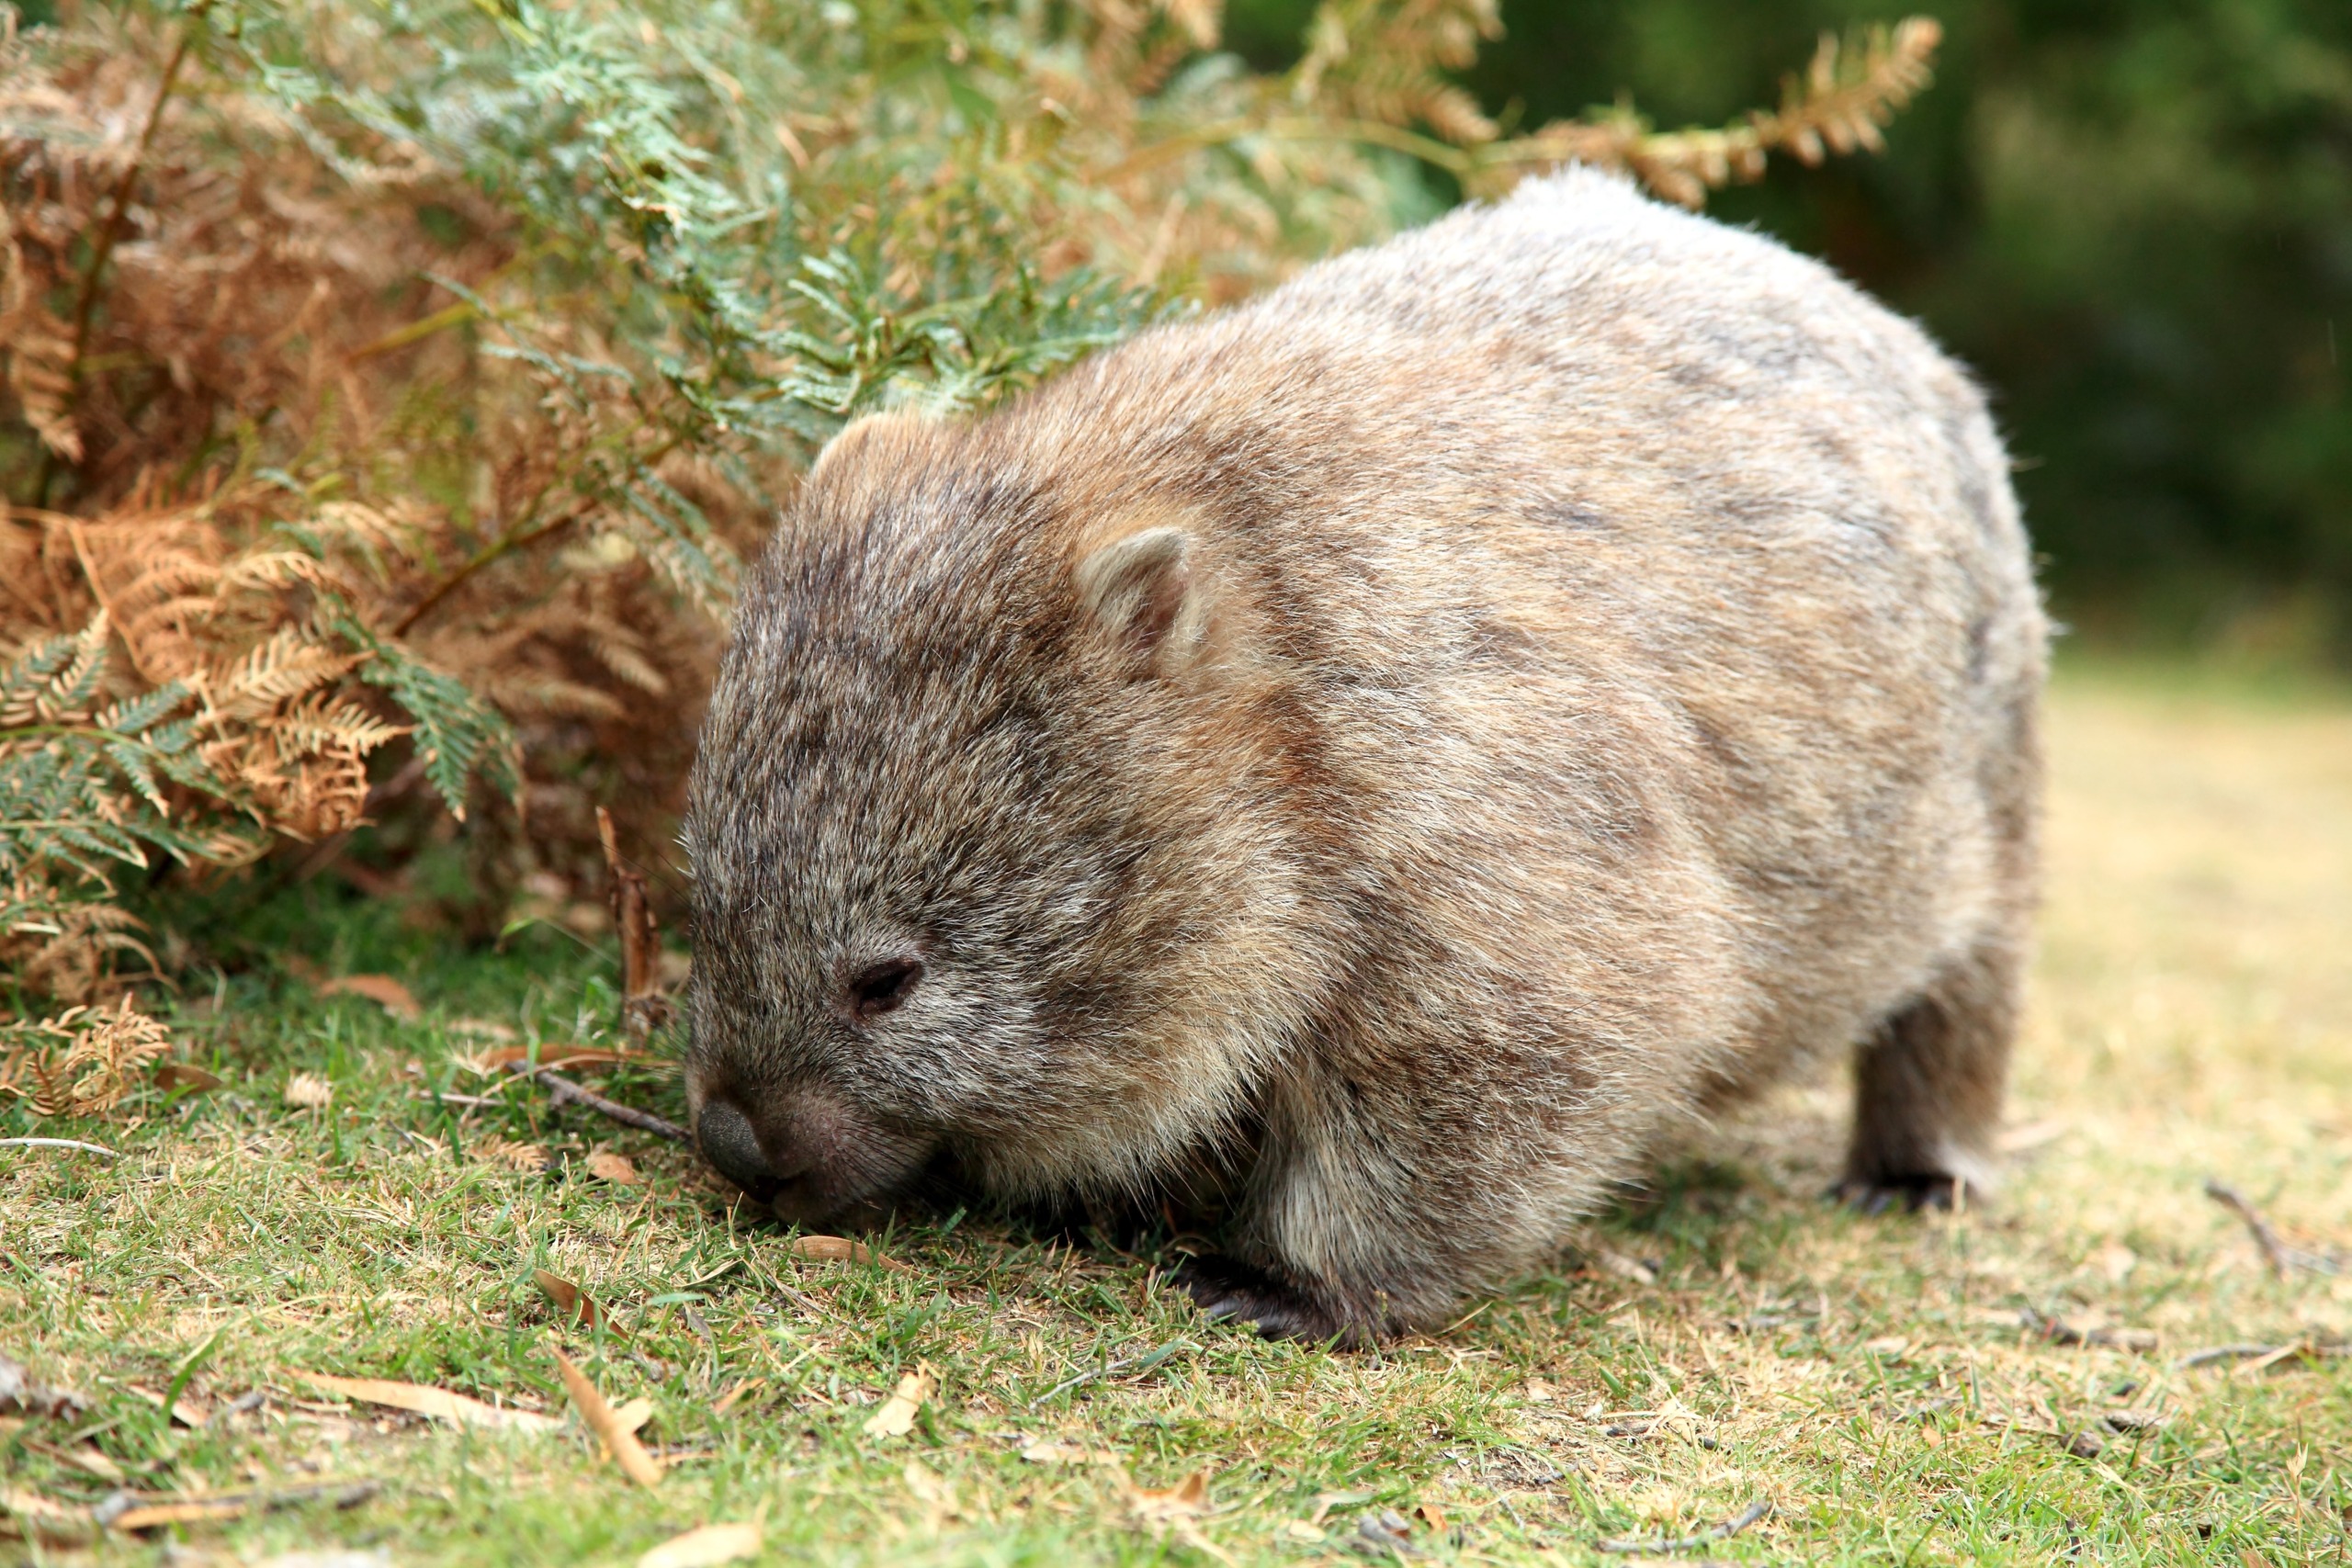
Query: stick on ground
x,y
58,1144
564,1091
2283,1259
2230,1198
1724,1532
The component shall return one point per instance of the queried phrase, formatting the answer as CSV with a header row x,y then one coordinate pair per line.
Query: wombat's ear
x,y
1139,590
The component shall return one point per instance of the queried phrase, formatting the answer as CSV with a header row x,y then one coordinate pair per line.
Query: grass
x,y
1869,1379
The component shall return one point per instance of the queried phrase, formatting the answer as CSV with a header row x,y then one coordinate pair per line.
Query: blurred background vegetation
x,y
390,388
2132,217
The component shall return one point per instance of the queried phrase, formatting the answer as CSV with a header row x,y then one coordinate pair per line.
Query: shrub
x,y
391,389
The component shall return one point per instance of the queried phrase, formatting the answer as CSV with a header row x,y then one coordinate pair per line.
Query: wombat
x,y
1404,745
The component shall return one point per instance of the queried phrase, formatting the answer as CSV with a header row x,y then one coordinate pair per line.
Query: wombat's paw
x,y
1876,1195
1228,1288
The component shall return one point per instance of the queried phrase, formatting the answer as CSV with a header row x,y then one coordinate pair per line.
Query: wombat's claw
x,y
1878,1195
1228,1288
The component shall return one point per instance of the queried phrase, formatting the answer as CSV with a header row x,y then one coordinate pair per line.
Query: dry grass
x,y
1870,1379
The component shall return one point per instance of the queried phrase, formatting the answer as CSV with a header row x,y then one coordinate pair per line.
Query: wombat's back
x,y
1606,531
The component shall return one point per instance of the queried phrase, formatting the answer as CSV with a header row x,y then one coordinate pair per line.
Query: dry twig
x,y
2058,1331
564,1091
2261,1355
643,1007
58,1144
1724,1532
2283,1259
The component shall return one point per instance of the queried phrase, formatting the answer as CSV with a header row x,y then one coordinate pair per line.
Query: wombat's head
x,y
986,866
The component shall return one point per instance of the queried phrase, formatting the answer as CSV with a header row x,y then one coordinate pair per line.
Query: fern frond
x,y
1849,91
83,1061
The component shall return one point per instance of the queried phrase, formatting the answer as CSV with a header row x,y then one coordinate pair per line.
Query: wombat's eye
x,y
878,988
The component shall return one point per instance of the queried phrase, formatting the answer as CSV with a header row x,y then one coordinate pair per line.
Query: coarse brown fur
x,y
1409,742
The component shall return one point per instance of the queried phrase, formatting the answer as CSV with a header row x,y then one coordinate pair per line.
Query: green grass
x,y
1867,1378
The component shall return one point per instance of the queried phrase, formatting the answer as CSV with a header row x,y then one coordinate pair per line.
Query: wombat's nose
x,y
728,1143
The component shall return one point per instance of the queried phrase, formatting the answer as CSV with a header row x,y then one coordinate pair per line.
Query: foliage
x,y
2133,218
391,389
80,1063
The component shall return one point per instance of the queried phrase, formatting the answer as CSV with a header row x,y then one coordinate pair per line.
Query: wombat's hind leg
x,y
1928,1086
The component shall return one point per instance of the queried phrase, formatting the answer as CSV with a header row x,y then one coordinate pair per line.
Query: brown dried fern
x,y
81,1062
1838,104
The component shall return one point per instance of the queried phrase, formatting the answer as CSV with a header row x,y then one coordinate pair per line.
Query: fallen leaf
x,y
437,1403
381,989
1178,1510
497,1061
741,1387
1188,1499
572,1303
933,1491
478,1028
1327,1501
1300,1530
90,1461
188,1411
702,1547
186,1075
141,1516
897,1417
634,1413
839,1250
621,1443
36,1517
1054,1451
1431,1515
606,1165
1539,1392
307,1091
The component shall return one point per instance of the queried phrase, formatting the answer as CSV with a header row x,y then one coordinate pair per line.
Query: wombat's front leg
x,y
1352,1232
1225,1287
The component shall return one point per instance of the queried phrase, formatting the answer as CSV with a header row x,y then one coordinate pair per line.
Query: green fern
x,y
81,788
459,736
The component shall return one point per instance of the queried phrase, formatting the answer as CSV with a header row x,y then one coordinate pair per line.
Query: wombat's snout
x,y
806,1156
728,1143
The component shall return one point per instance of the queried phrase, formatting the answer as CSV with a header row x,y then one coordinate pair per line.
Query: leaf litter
x,y
381,989
620,1439
439,1404
896,1417
705,1546
572,1303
